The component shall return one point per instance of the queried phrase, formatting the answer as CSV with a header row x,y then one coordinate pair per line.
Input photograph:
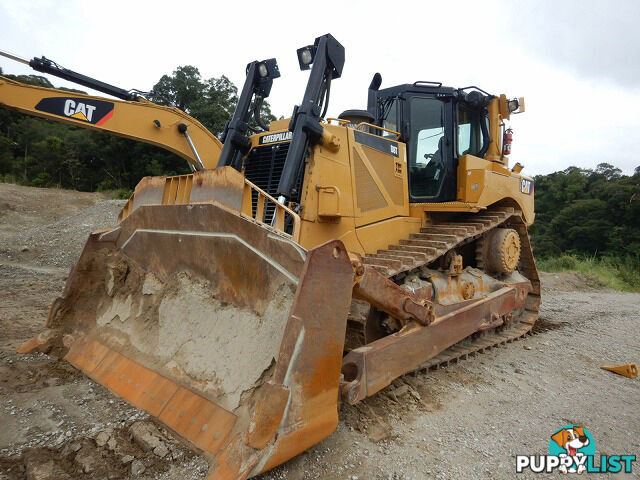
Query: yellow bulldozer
x,y
305,265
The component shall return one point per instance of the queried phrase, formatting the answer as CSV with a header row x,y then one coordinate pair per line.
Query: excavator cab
x,y
438,124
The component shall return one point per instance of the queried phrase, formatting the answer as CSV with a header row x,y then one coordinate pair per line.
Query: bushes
x,y
587,212
121,194
588,221
619,273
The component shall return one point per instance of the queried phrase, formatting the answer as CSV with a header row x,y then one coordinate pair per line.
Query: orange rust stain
x,y
289,445
321,404
200,421
323,374
133,382
86,354
41,343
267,415
203,423
235,462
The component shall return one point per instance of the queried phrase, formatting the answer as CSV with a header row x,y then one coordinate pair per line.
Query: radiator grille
x,y
369,196
263,167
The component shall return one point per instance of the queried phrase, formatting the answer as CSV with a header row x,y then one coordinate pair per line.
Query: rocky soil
x,y
466,421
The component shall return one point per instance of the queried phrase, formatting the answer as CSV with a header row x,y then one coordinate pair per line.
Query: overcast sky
x,y
577,63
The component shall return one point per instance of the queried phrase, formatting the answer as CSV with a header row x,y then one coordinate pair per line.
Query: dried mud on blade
x,y
228,333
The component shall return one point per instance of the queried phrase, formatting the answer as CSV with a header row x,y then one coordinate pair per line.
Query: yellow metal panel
x,y
471,186
276,125
482,183
385,167
260,207
364,168
328,170
417,209
378,236
328,201
368,194
169,197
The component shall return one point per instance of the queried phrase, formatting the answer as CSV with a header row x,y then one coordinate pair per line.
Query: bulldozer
x,y
297,267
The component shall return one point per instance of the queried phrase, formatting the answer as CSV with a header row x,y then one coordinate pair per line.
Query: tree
x,y
608,171
587,212
181,90
211,101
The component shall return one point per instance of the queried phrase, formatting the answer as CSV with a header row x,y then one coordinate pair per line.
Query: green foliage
x,y
121,194
587,212
211,101
619,273
45,153
588,221
37,80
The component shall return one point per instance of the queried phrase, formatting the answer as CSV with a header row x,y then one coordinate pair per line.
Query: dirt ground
x,y
466,421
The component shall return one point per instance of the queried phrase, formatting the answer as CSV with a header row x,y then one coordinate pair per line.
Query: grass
x,y
618,273
121,193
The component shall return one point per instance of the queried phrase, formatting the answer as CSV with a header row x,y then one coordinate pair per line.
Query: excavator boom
x,y
141,120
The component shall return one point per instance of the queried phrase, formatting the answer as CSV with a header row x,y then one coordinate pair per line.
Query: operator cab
x,y
439,125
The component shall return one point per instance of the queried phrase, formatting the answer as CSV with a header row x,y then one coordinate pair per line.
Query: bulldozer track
x,y
435,241
487,342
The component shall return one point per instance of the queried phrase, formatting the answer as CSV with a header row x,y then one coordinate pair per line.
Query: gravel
x,y
474,417
60,243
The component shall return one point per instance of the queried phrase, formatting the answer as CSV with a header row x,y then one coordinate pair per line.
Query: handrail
x,y
377,127
341,121
280,212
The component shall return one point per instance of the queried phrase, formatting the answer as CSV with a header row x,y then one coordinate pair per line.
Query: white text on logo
x,y
72,108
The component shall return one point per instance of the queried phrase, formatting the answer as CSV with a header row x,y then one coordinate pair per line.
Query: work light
x,y
267,69
305,56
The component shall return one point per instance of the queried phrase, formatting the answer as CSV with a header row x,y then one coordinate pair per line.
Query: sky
x,y
577,63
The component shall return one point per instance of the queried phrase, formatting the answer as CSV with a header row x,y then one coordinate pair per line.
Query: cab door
x,y
432,165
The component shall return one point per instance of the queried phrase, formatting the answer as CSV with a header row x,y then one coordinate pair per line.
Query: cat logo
x,y
96,112
80,111
526,186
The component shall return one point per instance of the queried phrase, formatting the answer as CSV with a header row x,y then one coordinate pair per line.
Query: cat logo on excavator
x,y
95,112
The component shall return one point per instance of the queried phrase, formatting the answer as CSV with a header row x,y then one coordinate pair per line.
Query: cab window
x,y
427,147
390,117
468,132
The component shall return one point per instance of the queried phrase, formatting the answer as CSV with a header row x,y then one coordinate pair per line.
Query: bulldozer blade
x,y
629,370
227,332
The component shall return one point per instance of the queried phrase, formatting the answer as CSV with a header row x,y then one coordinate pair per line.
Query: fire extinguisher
x,y
506,141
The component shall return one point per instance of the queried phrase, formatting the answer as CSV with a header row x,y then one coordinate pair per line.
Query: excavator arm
x,y
142,120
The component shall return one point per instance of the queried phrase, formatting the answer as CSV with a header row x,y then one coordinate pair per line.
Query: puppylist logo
x,y
572,449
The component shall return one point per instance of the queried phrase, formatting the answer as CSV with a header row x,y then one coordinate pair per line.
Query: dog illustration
x,y
571,439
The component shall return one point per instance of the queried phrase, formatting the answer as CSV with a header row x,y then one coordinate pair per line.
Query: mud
x,y
118,453
179,327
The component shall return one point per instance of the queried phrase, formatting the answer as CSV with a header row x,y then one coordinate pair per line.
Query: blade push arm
x,y
257,87
327,57
144,121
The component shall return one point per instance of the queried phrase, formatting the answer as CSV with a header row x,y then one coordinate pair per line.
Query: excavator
x,y
298,267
